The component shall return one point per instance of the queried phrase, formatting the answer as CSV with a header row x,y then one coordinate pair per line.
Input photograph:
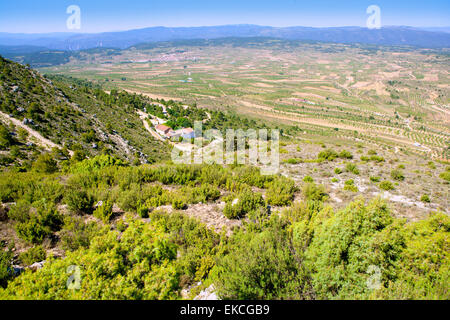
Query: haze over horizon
x,y
26,16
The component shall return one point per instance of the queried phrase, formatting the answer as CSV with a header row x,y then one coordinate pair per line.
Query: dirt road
x,y
44,142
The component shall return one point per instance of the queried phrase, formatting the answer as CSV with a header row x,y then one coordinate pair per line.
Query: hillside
x,y
77,115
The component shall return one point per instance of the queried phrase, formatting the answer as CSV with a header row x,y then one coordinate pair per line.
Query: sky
x,y
45,16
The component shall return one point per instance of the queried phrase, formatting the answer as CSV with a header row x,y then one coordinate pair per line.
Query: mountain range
x,y
390,35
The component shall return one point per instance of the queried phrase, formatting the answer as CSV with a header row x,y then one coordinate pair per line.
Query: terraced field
x,y
391,96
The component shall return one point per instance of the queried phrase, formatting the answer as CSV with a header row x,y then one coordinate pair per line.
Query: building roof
x,y
162,128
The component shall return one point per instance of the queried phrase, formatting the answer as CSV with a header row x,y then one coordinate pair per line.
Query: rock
x,y
207,294
17,270
36,266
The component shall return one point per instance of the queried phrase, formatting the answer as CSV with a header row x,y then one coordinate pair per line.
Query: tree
x,y
46,164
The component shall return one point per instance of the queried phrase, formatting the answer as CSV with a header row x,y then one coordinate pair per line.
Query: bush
x,y
350,186
314,192
351,167
45,164
308,179
238,205
142,211
39,225
32,255
337,170
178,204
104,211
425,198
445,175
386,185
77,234
344,154
328,154
6,139
6,259
396,174
375,179
281,192
79,201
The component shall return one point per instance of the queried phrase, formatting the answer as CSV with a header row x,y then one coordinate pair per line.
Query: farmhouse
x,y
162,129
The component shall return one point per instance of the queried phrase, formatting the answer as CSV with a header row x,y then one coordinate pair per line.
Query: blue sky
x,y
37,16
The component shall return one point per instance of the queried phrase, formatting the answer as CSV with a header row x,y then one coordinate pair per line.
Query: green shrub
x,y
6,259
314,192
308,179
6,139
142,211
396,174
375,179
377,158
350,186
337,170
344,154
386,185
39,225
328,154
280,192
351,167
32,255
425,198
79,201
445,175
178,204
45,164
104,211
77,234
293,161
238,205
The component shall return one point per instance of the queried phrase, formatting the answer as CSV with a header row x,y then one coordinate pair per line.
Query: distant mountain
x,y
385,36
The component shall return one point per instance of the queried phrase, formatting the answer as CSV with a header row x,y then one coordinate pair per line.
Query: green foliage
x,y
281,192
445,175
425,198
77,234
104,211
45,164
344,154
308,179
239,204
6,140
79,201
39,225
397,174
178,204
314,192
337,170
328,154
260,266
351,167
6,258
350,186
386,185
375,179
32,255
342,250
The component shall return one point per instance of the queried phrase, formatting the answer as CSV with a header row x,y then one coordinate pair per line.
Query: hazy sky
x,y
37,16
